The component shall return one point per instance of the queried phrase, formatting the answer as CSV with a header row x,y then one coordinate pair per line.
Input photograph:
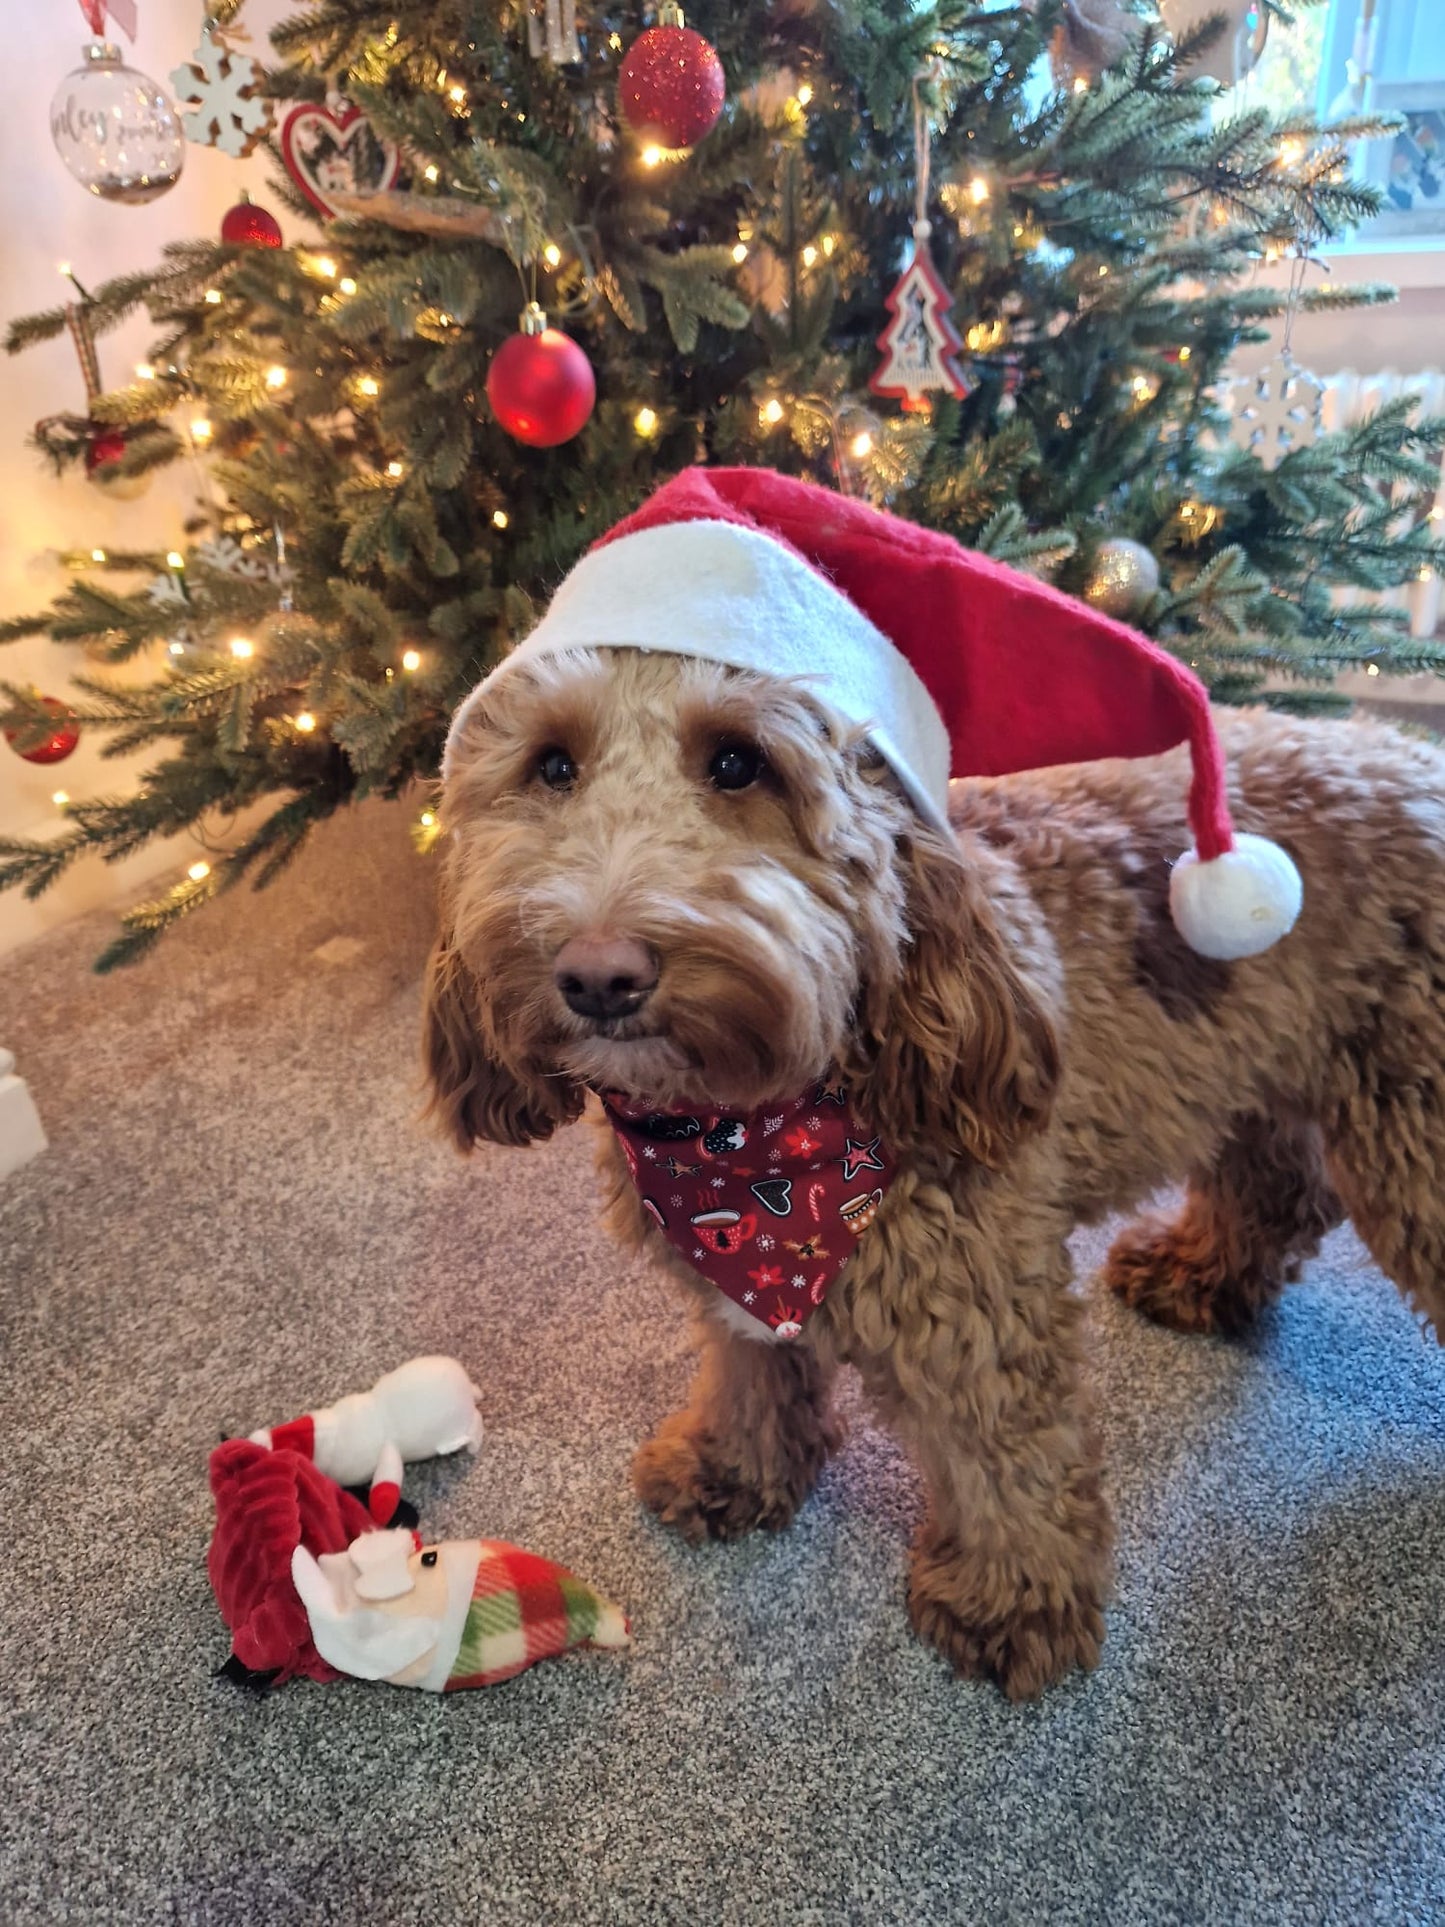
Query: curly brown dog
x,y
1015,1014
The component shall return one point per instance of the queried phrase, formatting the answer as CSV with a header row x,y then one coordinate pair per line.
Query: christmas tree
x,y
377,532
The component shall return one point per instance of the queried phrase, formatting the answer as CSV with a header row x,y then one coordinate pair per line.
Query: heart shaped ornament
x,y
335,150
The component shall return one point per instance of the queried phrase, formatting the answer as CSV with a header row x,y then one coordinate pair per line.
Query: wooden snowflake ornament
x,y
216,91
1277,410
920,343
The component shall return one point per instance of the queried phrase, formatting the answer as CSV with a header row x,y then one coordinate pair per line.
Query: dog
x,y
698,886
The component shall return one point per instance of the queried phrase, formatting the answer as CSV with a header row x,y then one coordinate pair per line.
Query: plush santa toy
x,y
954,664
423,1409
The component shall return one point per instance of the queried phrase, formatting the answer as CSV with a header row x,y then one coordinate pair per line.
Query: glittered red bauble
x,y
61,741
670,87
248,226
106,447
541,387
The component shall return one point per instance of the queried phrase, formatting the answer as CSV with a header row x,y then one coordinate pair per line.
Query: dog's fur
x,y
1016,1014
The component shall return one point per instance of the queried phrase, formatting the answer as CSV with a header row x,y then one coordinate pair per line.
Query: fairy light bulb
x,y
242,647
97,555
861,445
804,95
810,255
645,422
346,285
60,798
651,156
369,386
276,376
432,173
174,559
411,660
500,518
201,430
214,297
771,412
306,722
144,371
198,872
427,819
177,648
552,254
978,190
325,267
395,470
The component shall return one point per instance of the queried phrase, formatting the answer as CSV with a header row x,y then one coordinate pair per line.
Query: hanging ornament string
x,y
920,345
77,320
122,12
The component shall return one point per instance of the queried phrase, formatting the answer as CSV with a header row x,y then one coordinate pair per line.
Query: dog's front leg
x,y
751,1443
968,1338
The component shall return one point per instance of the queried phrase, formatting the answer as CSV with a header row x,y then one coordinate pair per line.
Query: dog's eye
x,y
429,1558
556,769
735,766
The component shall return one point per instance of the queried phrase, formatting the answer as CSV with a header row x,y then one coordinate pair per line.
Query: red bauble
x,y
106,447
61,741
247,226
541,385
670,87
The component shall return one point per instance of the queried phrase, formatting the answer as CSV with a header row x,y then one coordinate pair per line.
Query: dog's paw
x,y
1188,1290
685,1478
1025,1647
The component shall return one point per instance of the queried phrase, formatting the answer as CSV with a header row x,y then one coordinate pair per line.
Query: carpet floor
x,y
239,1216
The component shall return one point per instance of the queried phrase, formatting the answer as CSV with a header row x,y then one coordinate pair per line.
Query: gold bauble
x,y
1125,576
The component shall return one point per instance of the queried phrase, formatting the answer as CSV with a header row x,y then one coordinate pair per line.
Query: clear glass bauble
x,y
116,130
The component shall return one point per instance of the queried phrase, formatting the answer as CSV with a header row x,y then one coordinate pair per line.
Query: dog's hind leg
x,y
750,1445
1248,1224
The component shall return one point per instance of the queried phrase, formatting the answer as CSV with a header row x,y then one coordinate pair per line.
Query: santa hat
x,y
954,664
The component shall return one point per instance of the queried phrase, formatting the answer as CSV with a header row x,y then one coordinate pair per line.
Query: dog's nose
x,y
602,975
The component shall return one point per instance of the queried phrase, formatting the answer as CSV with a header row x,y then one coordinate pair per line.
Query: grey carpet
x,y
239,1216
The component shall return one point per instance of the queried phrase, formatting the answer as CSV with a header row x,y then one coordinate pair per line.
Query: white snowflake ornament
x,y
215,90
1277,410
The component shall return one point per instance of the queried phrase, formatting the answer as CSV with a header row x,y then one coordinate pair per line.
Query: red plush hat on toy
x,y
954,664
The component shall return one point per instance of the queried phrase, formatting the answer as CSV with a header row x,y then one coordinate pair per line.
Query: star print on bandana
x,y
861,1157
807,1202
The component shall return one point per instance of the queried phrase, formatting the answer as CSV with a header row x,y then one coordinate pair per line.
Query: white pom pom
x,y
1237,904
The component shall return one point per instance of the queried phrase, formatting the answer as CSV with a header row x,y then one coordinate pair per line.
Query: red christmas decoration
x,y
247,226
105,447
56,746
920,342
671,85
540,383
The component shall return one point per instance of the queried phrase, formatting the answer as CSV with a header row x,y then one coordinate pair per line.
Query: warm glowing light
x,y
428,817
805,94
346,285
174,559
552,254
97,555
62,267
201,430
60,798
432,173
1103,270
500,518
978,190
242,647
198,872
771,412
1372,669
213,297
1436,514
368,385
411,659
457,96
1185,353
810,255
144,371
276,376
645,421
861,445
830,241
306,722
614,41
1427,574
740,252
1291,152
1081,85
394,469
1143,388
325,267
651,156
177,648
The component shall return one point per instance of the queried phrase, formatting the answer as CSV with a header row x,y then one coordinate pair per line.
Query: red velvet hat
x,y
955,664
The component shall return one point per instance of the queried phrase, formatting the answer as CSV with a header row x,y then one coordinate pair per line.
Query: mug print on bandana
x,y
769,1207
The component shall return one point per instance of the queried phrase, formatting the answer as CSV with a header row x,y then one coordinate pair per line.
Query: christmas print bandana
x,y
767,1207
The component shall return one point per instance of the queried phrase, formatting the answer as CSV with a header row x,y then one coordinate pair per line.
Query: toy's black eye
x,y
429,1559
556,769
735,766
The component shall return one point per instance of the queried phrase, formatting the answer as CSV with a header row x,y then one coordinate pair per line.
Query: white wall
x,y
50,218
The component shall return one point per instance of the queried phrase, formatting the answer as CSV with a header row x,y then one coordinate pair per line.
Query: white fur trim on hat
x,y
1237,904
732,595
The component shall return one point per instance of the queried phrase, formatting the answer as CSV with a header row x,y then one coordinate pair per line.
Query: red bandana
x,y
767,1207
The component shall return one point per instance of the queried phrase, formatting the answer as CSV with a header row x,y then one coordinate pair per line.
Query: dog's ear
x,y
474,1096
957,1052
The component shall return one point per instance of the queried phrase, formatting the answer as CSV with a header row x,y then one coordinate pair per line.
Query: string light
x,y
427,819
60,798
369,386
174,559
740,252
1372,669
861,445
411,660
63,268
830,241
500,518
201,430
395,470
276,376
144,371
1427,574
645,422
804,94
346,285
1185,352
432,173
651,156
810,255
457,96
771,413
1291,152
213,297
324,266
198,872
242,647
1103,271
177,648
1081,85
306,722
1144,389
552,254
614,41
978,190
97,555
